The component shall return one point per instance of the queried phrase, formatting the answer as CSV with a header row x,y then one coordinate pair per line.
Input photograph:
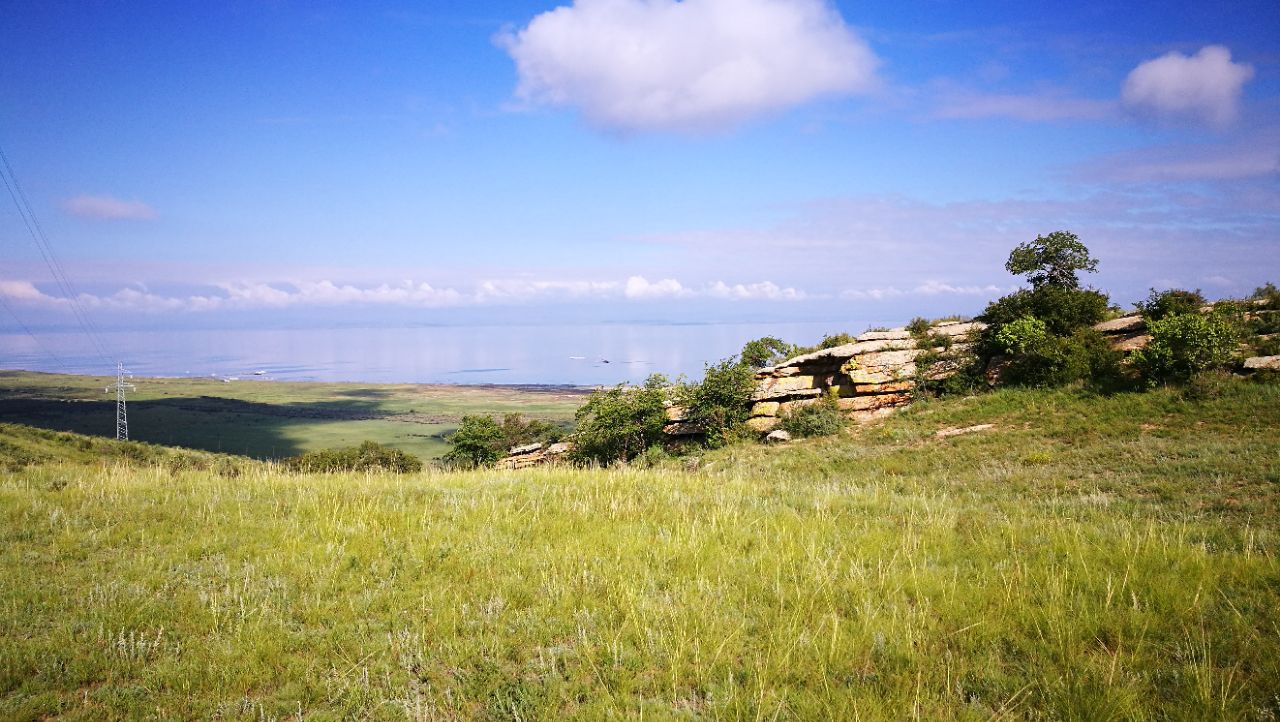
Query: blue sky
x,y
277,162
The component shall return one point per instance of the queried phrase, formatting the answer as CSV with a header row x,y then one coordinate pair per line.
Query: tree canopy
x,y
1052,260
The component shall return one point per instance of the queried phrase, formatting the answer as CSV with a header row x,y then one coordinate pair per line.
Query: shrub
x,y
619,423
835,339
918,327
1062,310
369,456
1036,359
1175,301
1184,345
765,351
721,401
478,442
1025,335
821,418
935,340
1269,295
518,431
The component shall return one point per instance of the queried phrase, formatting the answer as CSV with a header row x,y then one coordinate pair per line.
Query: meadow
x,y
1086,557
271,419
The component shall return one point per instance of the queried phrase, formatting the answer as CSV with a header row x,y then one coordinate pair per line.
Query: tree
x,y
477,442
721,402
1052,260
618,424
765,351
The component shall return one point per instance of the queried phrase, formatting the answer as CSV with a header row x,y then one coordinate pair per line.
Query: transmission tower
x,y
122,412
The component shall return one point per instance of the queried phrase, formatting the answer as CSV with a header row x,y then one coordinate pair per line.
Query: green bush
x,y
1046,360
1063,310
1175,301
1025,335
918,327
369,456
618,424
766,351
1184,345
821,418
720,403
1269,295
478,442
835,339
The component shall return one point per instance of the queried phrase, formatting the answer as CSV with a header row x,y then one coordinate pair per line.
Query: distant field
x,y
270,419
1084,558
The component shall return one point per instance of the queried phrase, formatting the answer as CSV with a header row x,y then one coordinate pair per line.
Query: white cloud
x,y
765,290
326,293
640,287
1205,86
522,289
108,208
691,65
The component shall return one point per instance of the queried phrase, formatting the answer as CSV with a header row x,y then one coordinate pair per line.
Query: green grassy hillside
x,y
270,419
1086,557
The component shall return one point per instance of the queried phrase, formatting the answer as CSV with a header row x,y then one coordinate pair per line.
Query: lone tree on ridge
x,y
1052,260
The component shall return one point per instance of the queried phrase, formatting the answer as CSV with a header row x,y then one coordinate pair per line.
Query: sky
x,y
254,163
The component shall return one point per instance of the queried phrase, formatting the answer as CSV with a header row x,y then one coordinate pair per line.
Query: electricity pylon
x,y
122,412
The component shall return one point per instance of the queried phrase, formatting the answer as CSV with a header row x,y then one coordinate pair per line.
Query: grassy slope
x,y
269,419
1089,558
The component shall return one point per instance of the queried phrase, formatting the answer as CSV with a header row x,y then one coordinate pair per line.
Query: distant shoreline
x,y
583,389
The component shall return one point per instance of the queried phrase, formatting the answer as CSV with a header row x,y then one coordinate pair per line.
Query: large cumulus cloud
x,y
694,65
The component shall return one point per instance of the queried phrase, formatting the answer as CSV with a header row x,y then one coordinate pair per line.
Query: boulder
x,y
522,450
1122,325
1131,342
884,388
837,355
771,395
681,428
957,328
875,402
765,408
778,436
882,367
1260,363
562,447
787,407
893,334
763,424
676,413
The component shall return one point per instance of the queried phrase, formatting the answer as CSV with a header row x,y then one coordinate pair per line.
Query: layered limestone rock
x,y
1125,334
523,457
871,376
1261,363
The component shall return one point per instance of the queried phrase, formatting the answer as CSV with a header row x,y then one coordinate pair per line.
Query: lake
x,y
581,354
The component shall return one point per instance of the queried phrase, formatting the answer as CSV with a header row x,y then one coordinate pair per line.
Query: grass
x,y
1087,558
270,419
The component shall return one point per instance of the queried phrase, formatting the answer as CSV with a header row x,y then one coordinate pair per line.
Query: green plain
x,y
1086,558
270,419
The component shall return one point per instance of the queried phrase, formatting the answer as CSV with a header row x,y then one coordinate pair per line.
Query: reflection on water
x,y
564,354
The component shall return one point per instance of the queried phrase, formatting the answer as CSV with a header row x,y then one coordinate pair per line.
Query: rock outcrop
x,y
523,457
1126,334
872,376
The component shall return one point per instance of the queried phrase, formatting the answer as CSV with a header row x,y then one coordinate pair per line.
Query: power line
x,y
4,302
41,240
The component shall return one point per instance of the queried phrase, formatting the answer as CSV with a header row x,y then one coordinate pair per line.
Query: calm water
x,y
553,354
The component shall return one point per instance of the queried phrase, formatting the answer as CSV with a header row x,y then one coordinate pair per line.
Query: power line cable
x,y
56,359
32,223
